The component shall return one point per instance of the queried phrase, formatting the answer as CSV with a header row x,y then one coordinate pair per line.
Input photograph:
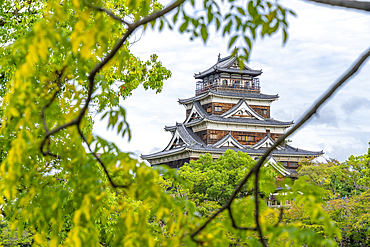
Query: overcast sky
x,y
323,43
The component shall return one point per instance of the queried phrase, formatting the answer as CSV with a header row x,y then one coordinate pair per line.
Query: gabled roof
x,y
279,168
218,119
265,142
237,95
242,107
228,65
196,109
227,139
181,133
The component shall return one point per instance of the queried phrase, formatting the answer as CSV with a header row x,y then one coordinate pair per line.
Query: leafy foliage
x,y
216,180
338,179
60,57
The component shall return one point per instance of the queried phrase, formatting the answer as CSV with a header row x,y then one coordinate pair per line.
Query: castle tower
x,y
229,111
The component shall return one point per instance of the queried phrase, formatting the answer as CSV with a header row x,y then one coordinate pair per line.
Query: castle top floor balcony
x,y
251,85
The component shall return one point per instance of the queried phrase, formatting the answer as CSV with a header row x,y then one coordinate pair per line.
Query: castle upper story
x,y
227,76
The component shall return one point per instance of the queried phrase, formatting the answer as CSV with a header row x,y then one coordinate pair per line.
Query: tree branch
x,y
365,6
226,206
51,100
280,216
100,161
256,202
238,227
108,12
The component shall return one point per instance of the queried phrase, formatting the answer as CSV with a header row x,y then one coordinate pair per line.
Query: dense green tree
x,y
216,180
332,176
352,216
360,170
338,179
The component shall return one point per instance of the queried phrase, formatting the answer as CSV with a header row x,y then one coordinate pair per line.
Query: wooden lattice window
x,y
242,138
218,108
213,136
250,138
263,112
284,163
293,164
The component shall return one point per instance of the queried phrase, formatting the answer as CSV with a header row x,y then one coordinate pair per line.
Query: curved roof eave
x,y
221,150
170,128
259,96
232,71
161,154
223,65
263,123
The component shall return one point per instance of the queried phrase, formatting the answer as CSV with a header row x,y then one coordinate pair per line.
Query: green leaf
x,y
209,14
184,26
241,11
174,19
218,24
252,10
232,40
161,25
119,128
285,36
292,13
204,32
104,115
248,41
227,28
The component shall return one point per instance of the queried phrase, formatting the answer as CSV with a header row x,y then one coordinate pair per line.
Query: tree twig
x,y
108,12
51,100
234,223
280,216
226,206
365,6
100,162
256,204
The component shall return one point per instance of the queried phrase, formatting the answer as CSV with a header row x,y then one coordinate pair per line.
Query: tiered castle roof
x,y
184,139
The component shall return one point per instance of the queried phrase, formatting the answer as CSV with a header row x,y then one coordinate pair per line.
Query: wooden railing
x,y
252,87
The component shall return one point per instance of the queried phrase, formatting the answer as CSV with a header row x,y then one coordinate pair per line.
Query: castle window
x,y
293,164
250,138
242,138
218,108
213,136
284,163
264,112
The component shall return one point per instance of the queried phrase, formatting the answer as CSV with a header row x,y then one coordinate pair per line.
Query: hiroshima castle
x,y
229,111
